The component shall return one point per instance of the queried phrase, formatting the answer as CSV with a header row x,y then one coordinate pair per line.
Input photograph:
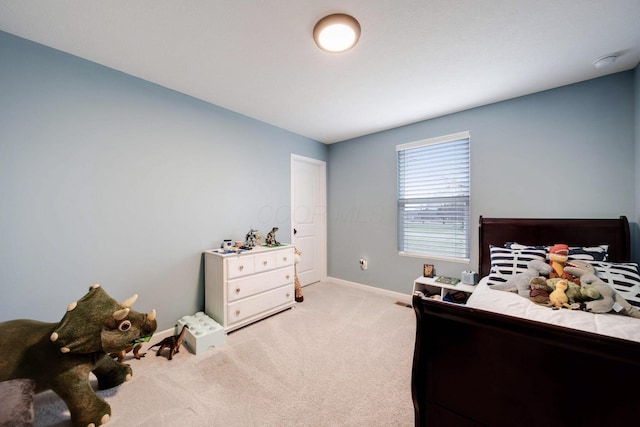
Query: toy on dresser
x,y
271,237
250,240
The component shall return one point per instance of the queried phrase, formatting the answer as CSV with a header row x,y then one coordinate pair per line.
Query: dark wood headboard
x,y
537,231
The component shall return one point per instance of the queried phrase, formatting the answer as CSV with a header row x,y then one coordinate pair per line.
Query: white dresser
x,y
240,288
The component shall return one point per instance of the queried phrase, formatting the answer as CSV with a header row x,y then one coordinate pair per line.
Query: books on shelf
x,y
447,280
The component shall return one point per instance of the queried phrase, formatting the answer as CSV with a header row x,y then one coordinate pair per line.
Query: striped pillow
x,y
594,253
506,262
624,277
583,253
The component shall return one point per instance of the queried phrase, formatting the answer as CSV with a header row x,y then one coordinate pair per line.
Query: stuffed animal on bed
x,y
520,282
576,293
610,300
558,298
539,291
60,356
558,257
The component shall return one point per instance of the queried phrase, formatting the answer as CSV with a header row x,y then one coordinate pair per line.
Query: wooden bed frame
x,y
477,368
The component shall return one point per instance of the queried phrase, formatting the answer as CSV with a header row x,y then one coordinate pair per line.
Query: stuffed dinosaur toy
x,y
520,282
558,257
60,356
609,299
576,293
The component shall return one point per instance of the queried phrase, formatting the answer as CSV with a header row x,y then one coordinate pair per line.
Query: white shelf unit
x,y
430,288
241,288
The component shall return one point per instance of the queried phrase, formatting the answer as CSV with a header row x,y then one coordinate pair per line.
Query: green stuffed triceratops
x,y
60,356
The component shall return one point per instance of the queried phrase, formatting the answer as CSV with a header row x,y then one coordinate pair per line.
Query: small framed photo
x,y
427,270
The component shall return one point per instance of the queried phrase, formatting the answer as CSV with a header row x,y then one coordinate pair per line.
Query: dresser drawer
x,y
264,262
284,258
240,310
247,286
239,266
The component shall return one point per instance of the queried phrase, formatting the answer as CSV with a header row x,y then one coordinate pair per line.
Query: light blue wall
x,y
567,152
105,178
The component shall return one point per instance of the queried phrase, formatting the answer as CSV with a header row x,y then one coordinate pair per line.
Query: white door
x,y
308,217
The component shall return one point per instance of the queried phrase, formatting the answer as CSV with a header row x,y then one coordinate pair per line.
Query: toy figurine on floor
x,y
298,287
173,343
271,238
136,352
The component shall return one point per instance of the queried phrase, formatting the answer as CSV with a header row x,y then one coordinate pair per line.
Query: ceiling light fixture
x,y
336,33
605,61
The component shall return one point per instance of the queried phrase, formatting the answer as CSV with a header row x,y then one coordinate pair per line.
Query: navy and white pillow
x,y
592,253
583,253
624,277
505,262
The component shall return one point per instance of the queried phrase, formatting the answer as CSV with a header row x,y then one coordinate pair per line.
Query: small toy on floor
x,y
136,352
173,343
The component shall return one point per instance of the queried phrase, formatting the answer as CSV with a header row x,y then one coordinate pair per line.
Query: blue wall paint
x,y
567,152
105,178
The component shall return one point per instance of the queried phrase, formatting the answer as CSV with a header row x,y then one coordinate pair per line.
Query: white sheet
x,y
512,304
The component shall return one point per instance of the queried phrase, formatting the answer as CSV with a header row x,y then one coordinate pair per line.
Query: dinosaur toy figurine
x,y
60,356
136,351
173,343
271,237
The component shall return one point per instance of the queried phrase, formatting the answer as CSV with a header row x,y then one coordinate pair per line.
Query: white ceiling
x,y
416,59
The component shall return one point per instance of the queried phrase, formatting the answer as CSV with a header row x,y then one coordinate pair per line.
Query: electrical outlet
x,y
363,263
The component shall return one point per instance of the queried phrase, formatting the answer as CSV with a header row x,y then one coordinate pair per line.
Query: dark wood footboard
x,y
476,368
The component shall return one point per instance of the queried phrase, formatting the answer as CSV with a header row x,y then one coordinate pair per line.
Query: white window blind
x,y
433,197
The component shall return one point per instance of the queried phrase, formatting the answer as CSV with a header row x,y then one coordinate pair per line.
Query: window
x,y
433,197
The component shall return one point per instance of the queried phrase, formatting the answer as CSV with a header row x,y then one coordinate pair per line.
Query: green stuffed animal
x,y
60,356
610,300
576,293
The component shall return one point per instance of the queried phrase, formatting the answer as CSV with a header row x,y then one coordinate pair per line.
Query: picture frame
x,y
427,270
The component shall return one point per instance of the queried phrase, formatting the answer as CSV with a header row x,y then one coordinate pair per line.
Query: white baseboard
x,y
405,298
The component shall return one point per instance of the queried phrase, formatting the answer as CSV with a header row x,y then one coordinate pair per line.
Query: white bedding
x,y
512,304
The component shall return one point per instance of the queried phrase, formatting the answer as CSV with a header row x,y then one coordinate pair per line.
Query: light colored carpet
x,y
340,358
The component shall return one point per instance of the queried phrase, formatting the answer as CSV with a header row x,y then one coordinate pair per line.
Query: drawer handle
x,y
241,267
264,262
288,294
237,312
237,290
288,277
284,258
